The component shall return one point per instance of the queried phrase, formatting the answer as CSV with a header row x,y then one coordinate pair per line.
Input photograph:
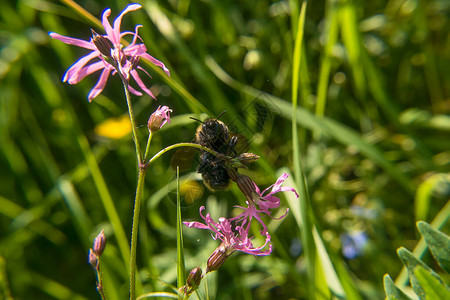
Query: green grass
x,y
353,103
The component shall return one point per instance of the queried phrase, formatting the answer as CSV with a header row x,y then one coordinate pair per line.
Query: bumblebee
x,y
214,168
215,135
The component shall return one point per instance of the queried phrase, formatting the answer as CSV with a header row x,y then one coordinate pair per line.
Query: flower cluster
x,y
234,232
112,57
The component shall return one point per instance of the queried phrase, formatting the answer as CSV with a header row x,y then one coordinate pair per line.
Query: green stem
x,y
134,231
99,282
133,122
148,146
178,145
136,214
137,204
139,189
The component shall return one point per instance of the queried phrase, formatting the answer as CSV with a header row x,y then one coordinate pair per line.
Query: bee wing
x,y
183,158
242,145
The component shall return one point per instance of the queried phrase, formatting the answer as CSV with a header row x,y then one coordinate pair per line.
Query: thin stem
x,y
136,214
133,122
99,282
134,231
139,189
137,204
148,146
178,145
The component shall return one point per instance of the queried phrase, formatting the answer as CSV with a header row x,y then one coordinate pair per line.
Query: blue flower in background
x,y
353,243
296,247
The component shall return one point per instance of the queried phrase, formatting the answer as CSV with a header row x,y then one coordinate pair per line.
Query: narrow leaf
x,y
424,195
411,263
432,287
327,270
438,242
180,252
392,291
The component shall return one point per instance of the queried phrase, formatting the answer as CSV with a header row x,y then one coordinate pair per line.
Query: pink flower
x,y
262,202
234,232
120,59
233,237
160,117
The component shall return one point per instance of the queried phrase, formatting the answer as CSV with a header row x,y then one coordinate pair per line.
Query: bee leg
x,y
232,144
201,137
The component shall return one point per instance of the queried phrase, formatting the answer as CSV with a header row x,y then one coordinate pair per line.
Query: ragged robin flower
x,y
234,232
111,55
233,238
230,233
260,202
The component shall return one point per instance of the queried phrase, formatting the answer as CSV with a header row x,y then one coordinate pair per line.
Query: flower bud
x,y
193,280
160,117
218,257
233,174
99,244
246,185
248,158
93,259
104,45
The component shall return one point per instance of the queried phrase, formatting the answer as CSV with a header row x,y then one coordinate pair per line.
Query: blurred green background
x,y
374,141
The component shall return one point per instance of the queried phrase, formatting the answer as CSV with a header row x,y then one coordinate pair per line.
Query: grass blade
x,y
300,181
180,252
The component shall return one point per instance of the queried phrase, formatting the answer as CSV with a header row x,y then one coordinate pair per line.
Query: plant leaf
x,y
392,291
432,287
411,263
181,280
438,242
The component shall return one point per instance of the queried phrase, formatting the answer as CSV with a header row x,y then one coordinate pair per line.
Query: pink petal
x,y
135,35
118,20
266,206
136,28
73,71
258,191
270,199
143,70
285,214
288,189
132,90
72,41
247,246
265,190
141,84
98,88
135,50
195,225
155,62
280,181
81,74
108,29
